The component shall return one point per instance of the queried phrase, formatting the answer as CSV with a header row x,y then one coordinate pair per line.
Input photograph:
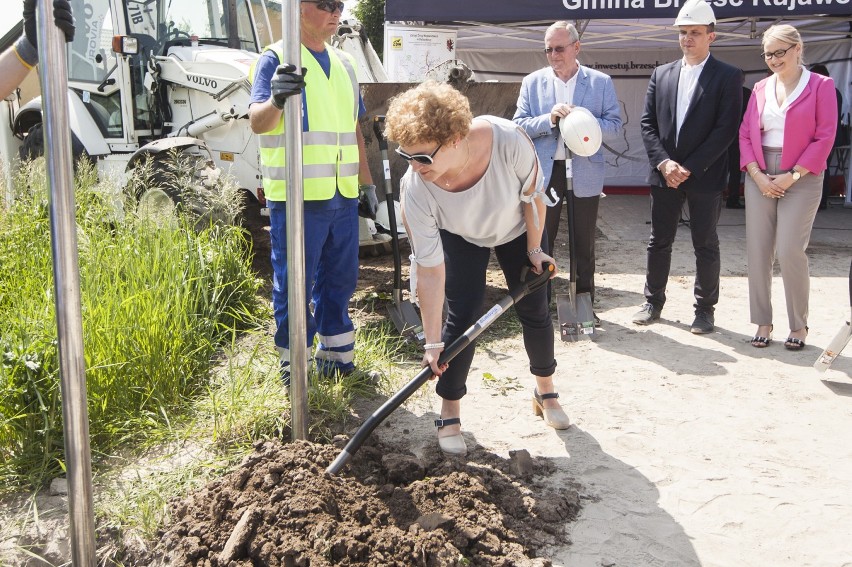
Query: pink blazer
x,y
809,127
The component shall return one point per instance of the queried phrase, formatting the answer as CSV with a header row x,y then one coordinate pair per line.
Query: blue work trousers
x,y
331,274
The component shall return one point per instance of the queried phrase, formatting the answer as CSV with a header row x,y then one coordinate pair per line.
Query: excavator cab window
x,y
93,66
90,57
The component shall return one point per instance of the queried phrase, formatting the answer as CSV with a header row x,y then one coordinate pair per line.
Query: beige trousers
x,y
780,228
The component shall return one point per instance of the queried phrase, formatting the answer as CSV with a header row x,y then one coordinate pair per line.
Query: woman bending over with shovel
x,y
472,185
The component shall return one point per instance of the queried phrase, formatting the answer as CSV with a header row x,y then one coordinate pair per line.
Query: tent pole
x,y
66,275
296,297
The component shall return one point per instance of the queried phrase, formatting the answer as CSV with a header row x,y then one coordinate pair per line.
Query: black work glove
x,y
368,203
286,83
62,17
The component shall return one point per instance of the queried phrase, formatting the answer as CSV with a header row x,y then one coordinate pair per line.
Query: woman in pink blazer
x,y
785,138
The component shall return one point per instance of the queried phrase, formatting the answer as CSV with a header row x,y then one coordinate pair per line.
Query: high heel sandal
x,y
762,342
792,343
451,444
555,418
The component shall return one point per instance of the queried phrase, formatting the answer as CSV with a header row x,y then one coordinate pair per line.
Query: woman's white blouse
x,y
773,116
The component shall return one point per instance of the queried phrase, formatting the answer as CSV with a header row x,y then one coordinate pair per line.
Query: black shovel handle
x,y
378,130
528,285
569,198
378,122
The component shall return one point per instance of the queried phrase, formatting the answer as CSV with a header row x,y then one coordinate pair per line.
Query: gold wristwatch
x,y
796,175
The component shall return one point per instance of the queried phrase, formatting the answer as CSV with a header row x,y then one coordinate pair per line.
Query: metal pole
x,y
296,297
66,275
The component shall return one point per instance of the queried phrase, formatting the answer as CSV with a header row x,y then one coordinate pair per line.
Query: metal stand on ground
x,y
291,32
66,274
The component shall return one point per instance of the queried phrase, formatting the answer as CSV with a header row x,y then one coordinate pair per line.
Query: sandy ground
x,y
685,450
690,450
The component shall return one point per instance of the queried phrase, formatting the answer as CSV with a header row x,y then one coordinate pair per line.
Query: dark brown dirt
x,y
387,508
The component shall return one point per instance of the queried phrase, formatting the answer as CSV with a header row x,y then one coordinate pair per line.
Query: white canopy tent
x,y
502,45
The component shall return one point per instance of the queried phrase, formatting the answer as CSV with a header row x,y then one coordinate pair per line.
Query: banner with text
x,y
491,11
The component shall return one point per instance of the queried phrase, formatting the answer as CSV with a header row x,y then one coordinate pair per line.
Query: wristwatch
x,y
796,175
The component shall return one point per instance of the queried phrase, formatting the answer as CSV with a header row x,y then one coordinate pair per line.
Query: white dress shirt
x,y
565,89
686,84
564,94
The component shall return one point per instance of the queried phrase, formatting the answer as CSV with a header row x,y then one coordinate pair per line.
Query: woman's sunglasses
x,y
425,159
330,6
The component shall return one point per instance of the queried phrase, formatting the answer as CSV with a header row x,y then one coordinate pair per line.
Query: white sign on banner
x,y
410,53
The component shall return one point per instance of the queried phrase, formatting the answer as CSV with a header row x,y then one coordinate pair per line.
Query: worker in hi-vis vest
x,y
336,180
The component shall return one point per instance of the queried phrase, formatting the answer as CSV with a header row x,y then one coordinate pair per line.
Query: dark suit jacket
x,y
711,124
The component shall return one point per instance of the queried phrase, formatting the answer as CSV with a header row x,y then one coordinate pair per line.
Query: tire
x,y
34,145
169,189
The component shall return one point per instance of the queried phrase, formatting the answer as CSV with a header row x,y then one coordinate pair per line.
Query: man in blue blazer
x,y
692,114
548,95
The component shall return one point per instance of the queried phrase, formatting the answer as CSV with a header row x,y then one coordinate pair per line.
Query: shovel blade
x,y
586,315
571,327
833,350
406,320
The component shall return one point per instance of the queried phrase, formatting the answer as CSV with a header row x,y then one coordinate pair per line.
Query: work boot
x,y
647,314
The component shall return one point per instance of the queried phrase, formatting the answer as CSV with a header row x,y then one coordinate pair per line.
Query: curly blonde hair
x,y
785,33
431,112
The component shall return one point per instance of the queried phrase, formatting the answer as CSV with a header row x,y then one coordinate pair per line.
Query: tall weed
x,y
156,300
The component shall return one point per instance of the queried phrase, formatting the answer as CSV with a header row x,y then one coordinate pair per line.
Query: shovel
x,y
576,316
840,340
530,282
403,314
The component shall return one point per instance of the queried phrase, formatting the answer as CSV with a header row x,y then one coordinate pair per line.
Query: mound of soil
x,y
280,508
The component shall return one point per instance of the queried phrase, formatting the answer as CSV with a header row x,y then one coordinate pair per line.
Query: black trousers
x,y
734,173
704,211
585,226
466,266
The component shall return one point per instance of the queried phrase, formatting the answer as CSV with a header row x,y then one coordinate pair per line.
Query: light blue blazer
x,y
595,92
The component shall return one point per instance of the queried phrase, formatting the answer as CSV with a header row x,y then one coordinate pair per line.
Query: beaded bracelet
x,y
535,250
430,346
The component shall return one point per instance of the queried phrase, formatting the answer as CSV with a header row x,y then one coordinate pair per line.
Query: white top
x,y
773,116
565,89
489,213
686,83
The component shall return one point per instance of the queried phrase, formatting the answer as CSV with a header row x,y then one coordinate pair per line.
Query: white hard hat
x,y
581,132
695,13
383,220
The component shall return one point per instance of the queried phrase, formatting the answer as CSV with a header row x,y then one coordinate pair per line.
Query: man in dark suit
x,y
692,114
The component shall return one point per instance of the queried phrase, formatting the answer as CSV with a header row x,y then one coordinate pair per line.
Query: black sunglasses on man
x,y
330,6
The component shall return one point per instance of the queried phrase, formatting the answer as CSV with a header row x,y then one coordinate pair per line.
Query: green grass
x,y
181,372
157,301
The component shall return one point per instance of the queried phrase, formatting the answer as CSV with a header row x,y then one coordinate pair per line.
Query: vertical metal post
x,y
66,275
296,295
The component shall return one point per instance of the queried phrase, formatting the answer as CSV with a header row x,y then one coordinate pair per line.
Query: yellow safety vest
x,y
330,158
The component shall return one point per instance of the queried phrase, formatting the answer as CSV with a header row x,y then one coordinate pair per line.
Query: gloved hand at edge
x,y
286,83
27,44
368,203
